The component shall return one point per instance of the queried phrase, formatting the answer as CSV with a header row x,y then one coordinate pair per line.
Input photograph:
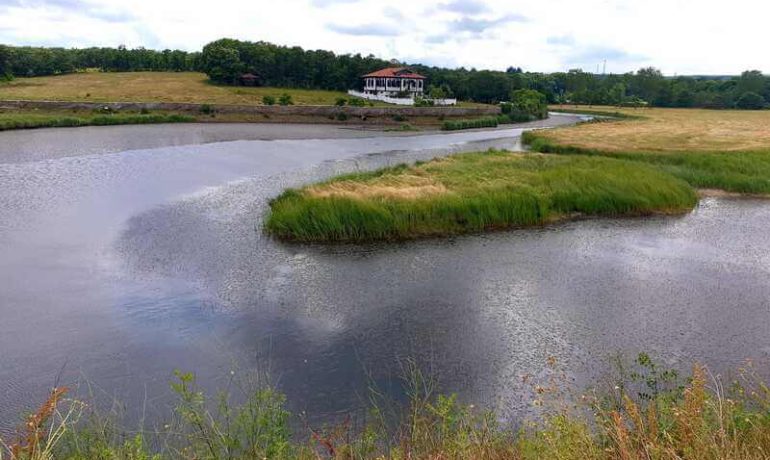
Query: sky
x,y
680,37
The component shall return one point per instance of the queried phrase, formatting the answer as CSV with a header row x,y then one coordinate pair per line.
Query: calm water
x,y
121,263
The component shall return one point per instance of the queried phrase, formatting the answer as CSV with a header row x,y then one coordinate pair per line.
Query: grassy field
x,y
670,130
473,192
645,412
189,87
150,87
726,150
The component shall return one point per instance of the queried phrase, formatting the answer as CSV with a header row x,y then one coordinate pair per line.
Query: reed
x,y
470,193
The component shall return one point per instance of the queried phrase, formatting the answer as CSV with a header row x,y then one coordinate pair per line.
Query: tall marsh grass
x,y
740,172
473,192
644,412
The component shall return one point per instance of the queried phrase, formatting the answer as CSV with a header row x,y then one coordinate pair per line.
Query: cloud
x,y
561,40
82,7
466,7
393,13
375,30
477,26
591,56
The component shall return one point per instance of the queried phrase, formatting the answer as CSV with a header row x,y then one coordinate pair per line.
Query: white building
x,y
392,81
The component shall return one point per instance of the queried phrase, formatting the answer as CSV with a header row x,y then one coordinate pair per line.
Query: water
x,y
120,265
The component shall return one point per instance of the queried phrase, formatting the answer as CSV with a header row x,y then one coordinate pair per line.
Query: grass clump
x,y
470,193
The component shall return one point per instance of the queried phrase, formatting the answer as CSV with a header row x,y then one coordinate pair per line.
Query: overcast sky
x,y
677,36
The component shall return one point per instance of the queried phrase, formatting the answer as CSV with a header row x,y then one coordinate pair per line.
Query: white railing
x,y
398,100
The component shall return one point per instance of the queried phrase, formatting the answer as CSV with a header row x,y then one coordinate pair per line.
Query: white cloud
x,y
678,36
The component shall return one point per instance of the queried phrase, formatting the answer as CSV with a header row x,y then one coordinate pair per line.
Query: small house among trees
x,y
394,81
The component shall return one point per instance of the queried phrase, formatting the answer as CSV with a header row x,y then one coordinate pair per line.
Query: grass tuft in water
x,y
470,193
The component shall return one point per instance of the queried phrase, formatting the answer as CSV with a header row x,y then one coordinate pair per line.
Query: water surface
x,y
121,264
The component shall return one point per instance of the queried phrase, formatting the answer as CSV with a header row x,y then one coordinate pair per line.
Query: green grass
x,y
741,172
470,193
43,119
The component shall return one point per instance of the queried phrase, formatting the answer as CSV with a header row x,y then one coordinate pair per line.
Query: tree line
x,y
31,61
225,61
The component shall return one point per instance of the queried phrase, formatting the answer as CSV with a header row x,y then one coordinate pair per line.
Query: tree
x,y
751,101
647,83
751,81
529,102
5,63
222,64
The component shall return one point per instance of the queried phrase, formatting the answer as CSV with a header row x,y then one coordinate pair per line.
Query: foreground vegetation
x,y
644,413
726,150
470,193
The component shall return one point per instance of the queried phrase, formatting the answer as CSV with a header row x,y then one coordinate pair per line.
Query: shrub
x,y
341,116
144,111
285,99
454,125
206,109
356,102
530,102
398,117
268,100
341,101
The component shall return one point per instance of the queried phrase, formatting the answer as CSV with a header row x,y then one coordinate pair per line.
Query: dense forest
x,y
226,60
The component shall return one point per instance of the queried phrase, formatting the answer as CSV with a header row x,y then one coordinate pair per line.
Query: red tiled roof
x,y
395,72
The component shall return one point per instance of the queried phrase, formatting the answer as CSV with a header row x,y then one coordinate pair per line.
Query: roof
x,y
396,72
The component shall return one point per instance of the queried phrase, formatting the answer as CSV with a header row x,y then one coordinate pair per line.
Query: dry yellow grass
x,y
190,87
670,130
404,187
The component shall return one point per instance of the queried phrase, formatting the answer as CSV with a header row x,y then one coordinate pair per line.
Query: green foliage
x,y
422,102
751,101
222,64
356,102
23,121
398,117
341,101
341,116
268,100
257,428
484,191
285,99
454,125
206,109
529,102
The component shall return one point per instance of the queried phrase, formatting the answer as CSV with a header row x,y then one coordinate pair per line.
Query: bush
x,y
268,100
454,125
356,102
750,101
341,101
341,116
530,102
398,117
420,102
206,109
285,99
144,111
